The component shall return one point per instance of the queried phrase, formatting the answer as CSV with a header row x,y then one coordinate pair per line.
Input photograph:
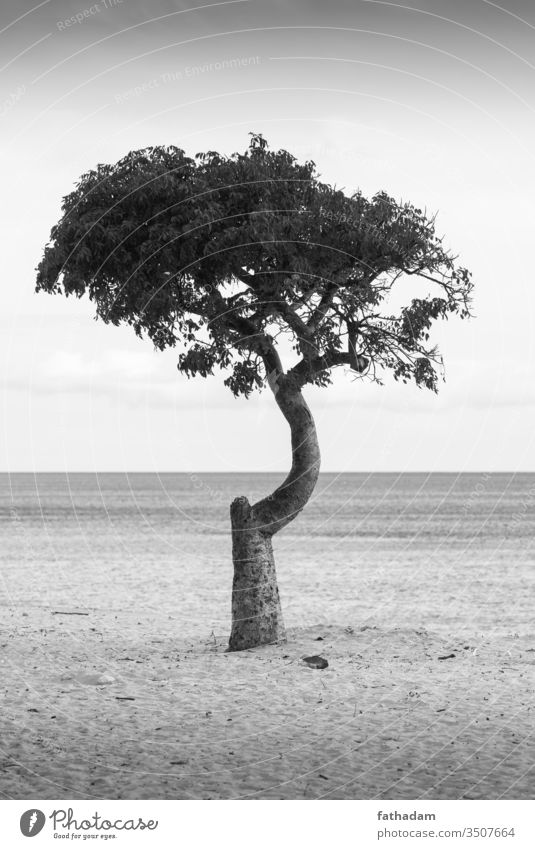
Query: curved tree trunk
x,y
256,611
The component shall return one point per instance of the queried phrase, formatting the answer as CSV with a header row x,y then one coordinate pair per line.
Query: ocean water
x,y
450,553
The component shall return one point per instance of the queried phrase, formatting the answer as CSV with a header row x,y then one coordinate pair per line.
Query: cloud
x,y
149,378
146,378
72,367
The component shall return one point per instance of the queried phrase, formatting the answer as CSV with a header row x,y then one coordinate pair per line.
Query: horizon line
x,y
266,472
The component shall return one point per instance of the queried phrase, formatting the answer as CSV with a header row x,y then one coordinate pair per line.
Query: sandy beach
x,y
183,720
115,606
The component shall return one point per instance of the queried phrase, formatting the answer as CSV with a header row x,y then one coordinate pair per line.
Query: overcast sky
x,y
433,101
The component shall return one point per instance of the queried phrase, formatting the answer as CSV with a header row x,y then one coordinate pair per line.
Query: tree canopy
x,y
223,256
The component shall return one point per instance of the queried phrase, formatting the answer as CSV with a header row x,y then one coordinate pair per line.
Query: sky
x,y
432,101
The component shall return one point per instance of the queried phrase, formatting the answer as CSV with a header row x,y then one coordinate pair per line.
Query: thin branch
x,y
321,310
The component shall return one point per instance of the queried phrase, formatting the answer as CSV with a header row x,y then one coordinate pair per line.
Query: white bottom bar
x,y
269,824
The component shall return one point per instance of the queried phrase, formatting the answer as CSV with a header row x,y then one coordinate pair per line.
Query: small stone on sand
x,y
315,662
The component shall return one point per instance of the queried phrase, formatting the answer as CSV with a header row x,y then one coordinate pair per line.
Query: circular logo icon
x,y
31,822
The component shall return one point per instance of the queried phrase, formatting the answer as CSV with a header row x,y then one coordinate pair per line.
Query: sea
x,y
449,553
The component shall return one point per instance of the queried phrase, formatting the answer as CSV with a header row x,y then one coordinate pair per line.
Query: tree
x,y
228,256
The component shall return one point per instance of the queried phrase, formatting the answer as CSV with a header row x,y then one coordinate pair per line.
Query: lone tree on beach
x,y
226,257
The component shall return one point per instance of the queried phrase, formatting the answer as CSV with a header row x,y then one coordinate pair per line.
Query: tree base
x,y
256,609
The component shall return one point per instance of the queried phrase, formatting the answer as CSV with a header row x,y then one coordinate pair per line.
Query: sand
x,y
113,704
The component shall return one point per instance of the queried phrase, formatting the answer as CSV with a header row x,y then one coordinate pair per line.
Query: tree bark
x,y
256,610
